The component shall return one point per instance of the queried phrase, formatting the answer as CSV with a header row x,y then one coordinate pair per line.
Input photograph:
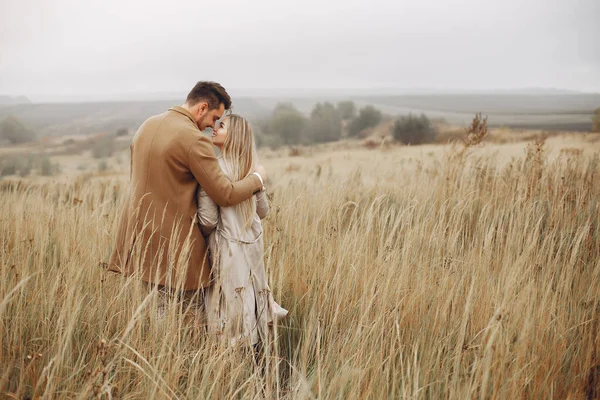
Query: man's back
x,y
160,160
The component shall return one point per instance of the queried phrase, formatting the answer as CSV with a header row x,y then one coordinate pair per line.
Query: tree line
x,y
286,125
329,123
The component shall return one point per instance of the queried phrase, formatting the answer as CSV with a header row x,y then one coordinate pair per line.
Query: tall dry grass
x,y
458,278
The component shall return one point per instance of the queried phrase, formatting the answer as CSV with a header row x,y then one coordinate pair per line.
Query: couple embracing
x,y
191,225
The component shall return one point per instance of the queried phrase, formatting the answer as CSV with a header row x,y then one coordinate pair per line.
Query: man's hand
x,y
262,172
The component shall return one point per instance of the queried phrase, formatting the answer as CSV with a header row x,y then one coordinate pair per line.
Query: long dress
x,y
239,303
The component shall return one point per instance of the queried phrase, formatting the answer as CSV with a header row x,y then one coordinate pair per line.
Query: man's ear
x,y
199,110
203,107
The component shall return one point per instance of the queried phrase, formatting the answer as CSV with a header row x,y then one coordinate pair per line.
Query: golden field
x,y
420,272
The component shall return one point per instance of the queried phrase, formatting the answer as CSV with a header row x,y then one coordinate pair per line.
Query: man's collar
x,y
183,111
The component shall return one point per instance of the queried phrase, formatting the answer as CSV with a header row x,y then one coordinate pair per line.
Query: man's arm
x,y
207,171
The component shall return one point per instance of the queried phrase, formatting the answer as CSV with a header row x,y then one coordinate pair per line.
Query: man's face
x,y
206,117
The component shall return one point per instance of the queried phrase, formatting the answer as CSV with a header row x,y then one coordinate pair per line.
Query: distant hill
x,y
528,110
58,119
9,100
533,91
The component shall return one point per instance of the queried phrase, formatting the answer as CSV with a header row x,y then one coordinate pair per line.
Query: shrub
x,y
371,143
477,131
288,123
24,171
325,123
412,129
346,109
47,168
265,140
103,146
263,137
26,164
18,165
102,166
367,117
8,166
13,131
295,151
122,132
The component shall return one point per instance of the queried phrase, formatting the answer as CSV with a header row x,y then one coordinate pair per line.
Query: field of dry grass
x,y
424,272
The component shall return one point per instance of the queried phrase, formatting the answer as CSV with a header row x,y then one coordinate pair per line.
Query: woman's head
x,y
220,133
234,133
234,137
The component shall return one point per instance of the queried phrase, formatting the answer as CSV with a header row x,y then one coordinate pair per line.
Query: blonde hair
x,y
239,155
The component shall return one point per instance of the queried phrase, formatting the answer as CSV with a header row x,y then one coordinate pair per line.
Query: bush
x,y
477,131
266,140
288,123
367,117
47,168
325,123
8,166
346,109
122,132
102,166
103,147
412,129
20,165
596,120
26,164
13,131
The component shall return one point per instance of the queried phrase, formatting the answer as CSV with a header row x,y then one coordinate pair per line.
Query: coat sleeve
x,y
208,212
262,204
205,167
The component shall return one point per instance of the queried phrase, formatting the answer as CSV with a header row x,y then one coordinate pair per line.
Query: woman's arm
x,y
262,204
208,212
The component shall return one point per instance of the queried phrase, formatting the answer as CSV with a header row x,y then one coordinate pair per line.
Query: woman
x,y
239,304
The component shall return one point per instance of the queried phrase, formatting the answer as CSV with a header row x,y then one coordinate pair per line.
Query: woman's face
x,y
220,133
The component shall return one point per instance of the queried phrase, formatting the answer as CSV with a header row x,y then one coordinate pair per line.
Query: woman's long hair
x,y
239,155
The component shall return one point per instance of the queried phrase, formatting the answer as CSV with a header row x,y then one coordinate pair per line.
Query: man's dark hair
x,y
211,92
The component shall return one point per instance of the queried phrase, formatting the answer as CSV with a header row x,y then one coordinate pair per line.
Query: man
x,y
158,236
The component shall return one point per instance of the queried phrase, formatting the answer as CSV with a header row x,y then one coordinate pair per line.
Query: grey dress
x,y
239,303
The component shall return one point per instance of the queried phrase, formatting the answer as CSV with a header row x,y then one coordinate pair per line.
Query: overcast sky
x,y
108,48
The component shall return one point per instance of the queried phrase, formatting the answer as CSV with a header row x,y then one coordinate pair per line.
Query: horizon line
x,y
291,92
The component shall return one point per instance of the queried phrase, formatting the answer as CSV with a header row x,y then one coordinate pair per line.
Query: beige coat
x,y
158,235
239,303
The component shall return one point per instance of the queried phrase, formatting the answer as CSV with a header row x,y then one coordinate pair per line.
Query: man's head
x,y
207,102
